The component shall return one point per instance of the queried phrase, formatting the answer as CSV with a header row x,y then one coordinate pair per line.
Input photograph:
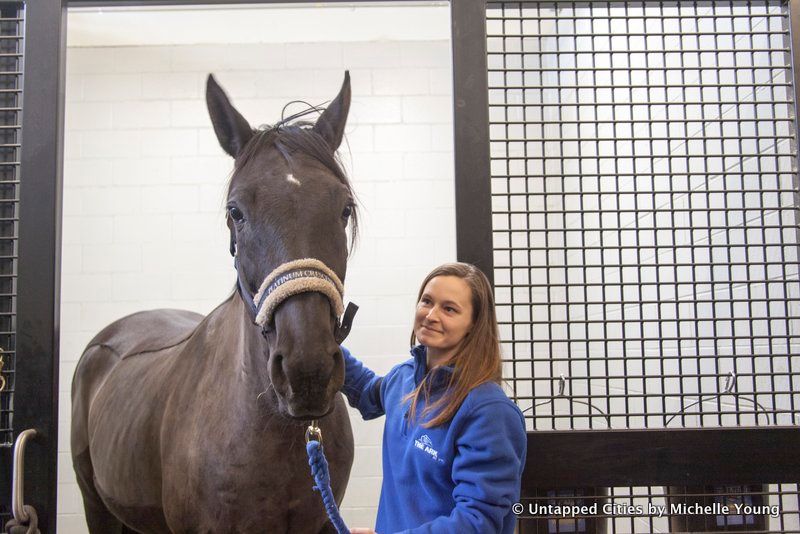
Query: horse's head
x,y
289,200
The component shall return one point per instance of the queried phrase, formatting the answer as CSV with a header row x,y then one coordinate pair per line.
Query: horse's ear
x,y
331,123
233,131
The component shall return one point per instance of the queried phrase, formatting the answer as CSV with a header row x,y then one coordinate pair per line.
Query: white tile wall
x,y
144,190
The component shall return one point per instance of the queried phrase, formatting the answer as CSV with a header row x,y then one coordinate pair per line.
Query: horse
x,y
183,423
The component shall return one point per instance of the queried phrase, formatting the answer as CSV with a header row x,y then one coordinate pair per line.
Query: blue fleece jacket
x,y
460,477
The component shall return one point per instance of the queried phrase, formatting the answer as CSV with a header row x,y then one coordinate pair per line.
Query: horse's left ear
x,y
331,123
233,131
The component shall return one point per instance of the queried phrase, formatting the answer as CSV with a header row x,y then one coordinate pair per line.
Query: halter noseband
x,y
292,278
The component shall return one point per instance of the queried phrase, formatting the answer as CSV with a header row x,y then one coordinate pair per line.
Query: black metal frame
x,y
12,23
794,35
679,457
36,395
39,250
147,3
599,458
38,310
471,124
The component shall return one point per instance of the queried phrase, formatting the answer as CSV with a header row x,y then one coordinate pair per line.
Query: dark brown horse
x,y
184,423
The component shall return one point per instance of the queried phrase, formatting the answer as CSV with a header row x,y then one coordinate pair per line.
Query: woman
x,y
453,443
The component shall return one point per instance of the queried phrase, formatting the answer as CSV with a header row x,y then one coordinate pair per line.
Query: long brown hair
x,y
477,359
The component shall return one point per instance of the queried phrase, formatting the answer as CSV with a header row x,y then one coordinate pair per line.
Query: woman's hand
x,y
362,531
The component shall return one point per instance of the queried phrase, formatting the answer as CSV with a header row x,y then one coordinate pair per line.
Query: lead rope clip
x,y
314,433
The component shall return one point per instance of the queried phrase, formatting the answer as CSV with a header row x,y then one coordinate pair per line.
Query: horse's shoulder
x,y
147,331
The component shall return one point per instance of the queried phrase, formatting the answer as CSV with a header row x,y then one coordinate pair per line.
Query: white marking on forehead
x,y
291,179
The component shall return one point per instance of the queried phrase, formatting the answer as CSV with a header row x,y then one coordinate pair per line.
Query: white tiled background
x,y
144,176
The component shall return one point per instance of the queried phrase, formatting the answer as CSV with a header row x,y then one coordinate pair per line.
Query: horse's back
x,y
147,331
140,333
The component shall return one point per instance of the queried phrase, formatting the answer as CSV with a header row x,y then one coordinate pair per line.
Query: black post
x,y
39,252
471,123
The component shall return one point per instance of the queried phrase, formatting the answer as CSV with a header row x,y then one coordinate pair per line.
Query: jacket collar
x,y
440,376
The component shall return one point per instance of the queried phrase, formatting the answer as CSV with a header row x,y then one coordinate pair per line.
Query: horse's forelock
x,y
299,137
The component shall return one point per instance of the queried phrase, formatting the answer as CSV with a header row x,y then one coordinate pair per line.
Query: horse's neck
x,y
252,405
240,356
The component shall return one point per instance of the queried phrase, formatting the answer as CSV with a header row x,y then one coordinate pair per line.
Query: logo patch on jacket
x,y
425,444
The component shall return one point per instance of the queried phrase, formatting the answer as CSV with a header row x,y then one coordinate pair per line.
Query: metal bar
x,y
684,411
18,491
638,68
794,27
637,34
601,284
617,17
604,458
653,210
637,51
642,302
665,375
643,175
643,357
631,138
617,157
39,265
154,3
471,135
650,103
606,338
625,121
534,87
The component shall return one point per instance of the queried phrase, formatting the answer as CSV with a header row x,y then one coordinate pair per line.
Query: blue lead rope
x,y
319,470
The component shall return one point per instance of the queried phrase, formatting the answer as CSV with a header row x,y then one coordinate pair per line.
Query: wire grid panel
x,y
11,64
765,508
644,212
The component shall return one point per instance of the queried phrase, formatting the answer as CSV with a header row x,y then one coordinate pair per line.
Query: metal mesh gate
x,y
12,25
643,167
644,216
11,52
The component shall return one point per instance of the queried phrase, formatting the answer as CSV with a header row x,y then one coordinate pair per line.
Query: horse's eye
x,y
236,214
348,210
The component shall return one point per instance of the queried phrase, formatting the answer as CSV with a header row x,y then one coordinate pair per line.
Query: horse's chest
x,y
246,491
248,473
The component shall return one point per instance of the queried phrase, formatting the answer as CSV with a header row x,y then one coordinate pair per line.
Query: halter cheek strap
x,y
292,278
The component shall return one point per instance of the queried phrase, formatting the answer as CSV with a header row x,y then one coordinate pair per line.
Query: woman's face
x,y
444,316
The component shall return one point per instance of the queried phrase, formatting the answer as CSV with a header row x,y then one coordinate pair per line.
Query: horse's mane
x,y
288,137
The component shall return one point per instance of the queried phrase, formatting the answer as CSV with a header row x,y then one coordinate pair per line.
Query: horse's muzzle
x,y
310,406
307,390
